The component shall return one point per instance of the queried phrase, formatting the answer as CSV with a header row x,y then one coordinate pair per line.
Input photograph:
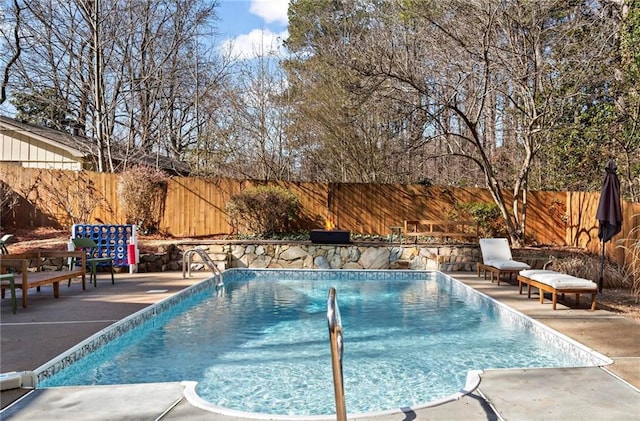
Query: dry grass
x,y
587,266
633,248
618,294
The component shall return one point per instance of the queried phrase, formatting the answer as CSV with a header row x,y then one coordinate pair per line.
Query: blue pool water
x,y
261,343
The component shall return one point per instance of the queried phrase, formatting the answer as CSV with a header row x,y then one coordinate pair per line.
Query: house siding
x,y
27,152
32,146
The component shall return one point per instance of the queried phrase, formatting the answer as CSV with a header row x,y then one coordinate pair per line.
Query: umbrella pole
x,y
601,280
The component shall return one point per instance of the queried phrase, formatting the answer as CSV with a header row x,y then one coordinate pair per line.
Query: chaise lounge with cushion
x,y
557,283
497,259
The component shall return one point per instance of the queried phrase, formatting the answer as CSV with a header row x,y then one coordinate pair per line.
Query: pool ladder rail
x,y
206,259
336,343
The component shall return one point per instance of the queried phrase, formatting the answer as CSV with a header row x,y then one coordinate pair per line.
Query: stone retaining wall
x,y
315,256
304,255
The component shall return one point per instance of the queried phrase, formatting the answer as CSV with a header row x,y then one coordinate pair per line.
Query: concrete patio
x,y
50,326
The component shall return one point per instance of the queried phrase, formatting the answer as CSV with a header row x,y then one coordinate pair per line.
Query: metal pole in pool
x,y
335,340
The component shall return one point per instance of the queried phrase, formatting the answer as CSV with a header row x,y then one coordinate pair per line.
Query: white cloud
x,y
258,42
272,11
266,40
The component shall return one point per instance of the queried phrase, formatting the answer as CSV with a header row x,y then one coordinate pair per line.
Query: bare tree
x,y
9,41
494,78
626,127
245,135
8,200
124,70
350,127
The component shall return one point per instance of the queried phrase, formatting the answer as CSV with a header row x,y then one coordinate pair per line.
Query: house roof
x,y
78,146
84,148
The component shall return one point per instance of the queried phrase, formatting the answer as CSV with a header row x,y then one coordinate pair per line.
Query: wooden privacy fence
x,y
196,207
582,228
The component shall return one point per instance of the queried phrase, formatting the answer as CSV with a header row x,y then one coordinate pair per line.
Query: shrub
x,y
69,197
487,216
142,191
263,211
8,200
587,266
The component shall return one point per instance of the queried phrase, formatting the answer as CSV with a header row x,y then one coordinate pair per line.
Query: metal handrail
x,y
336,342
186,263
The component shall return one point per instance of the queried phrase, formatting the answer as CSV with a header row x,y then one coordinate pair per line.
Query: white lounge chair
x,y
557,283
497,259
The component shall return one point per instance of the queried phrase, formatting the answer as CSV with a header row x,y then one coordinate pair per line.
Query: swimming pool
x,y
260,345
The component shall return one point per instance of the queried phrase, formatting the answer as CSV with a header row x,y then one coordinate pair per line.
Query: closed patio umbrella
x,y
609,213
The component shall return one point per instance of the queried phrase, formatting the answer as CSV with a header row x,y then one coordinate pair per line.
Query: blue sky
x,y
251,27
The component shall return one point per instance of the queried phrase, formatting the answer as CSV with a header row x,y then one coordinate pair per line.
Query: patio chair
x,y
91,248
7,280
3,243
497,259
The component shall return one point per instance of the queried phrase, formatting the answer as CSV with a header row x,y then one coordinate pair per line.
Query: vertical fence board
x,y
583,228
547,219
